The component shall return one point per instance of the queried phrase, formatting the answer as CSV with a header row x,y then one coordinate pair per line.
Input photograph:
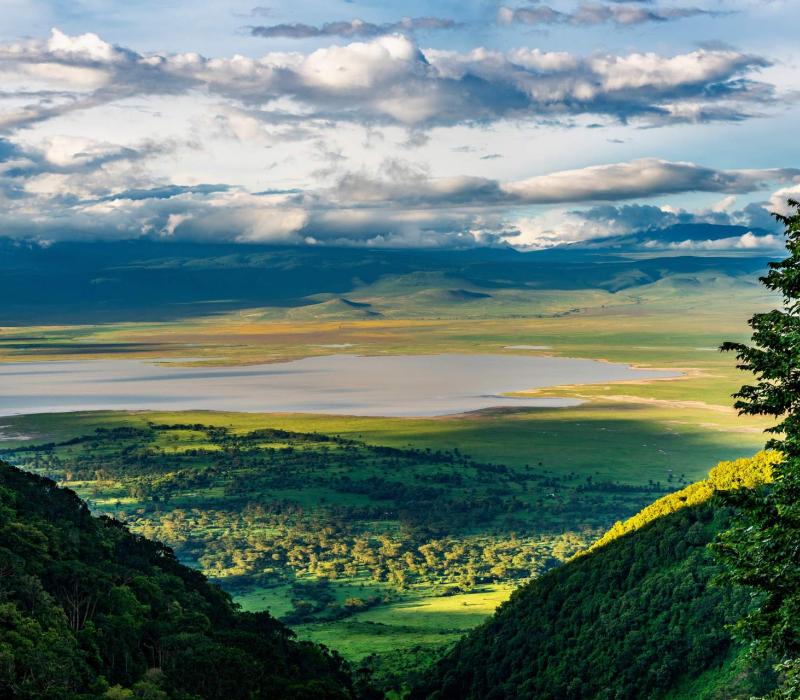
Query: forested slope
x,y
637,617
89,610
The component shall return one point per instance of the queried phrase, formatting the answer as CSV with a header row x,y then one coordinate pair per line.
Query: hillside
x,y
89,610
637,617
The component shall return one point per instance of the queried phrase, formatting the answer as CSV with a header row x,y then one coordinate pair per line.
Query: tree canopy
x,y
762,549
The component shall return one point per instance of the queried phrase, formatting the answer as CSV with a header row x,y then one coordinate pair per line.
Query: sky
x,y
444,124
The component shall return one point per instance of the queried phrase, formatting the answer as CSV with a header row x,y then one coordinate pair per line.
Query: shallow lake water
x,y
399,385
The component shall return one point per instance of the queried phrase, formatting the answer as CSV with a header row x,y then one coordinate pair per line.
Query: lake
x,y
399,385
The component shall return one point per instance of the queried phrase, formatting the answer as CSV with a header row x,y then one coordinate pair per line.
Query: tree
x,y
762,549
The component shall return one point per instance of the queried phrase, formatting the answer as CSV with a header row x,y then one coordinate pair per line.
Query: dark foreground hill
x,y
89,610
638,617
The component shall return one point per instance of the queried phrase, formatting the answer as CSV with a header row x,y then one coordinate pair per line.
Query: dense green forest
x,y
88,609
641,616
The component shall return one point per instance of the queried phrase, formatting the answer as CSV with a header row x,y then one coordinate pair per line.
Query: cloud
x,y
591,14
639,178
75,188
389,80
164,192
778,202
74,156
60,172
647,177
355,28
261,11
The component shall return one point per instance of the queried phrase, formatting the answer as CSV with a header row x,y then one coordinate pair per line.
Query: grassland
x,y
632,443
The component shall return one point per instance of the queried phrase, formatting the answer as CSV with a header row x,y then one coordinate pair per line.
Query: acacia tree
x,y
762,549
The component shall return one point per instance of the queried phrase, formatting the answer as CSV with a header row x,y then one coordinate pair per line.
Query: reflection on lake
x,y
401,385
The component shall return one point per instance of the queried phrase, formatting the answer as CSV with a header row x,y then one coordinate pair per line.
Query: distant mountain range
x,y
81,282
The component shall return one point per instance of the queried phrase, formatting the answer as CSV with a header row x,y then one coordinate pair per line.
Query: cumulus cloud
x,y
389,80
79,189
76,188
351,29
70,155
590,14
778,202
60,172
